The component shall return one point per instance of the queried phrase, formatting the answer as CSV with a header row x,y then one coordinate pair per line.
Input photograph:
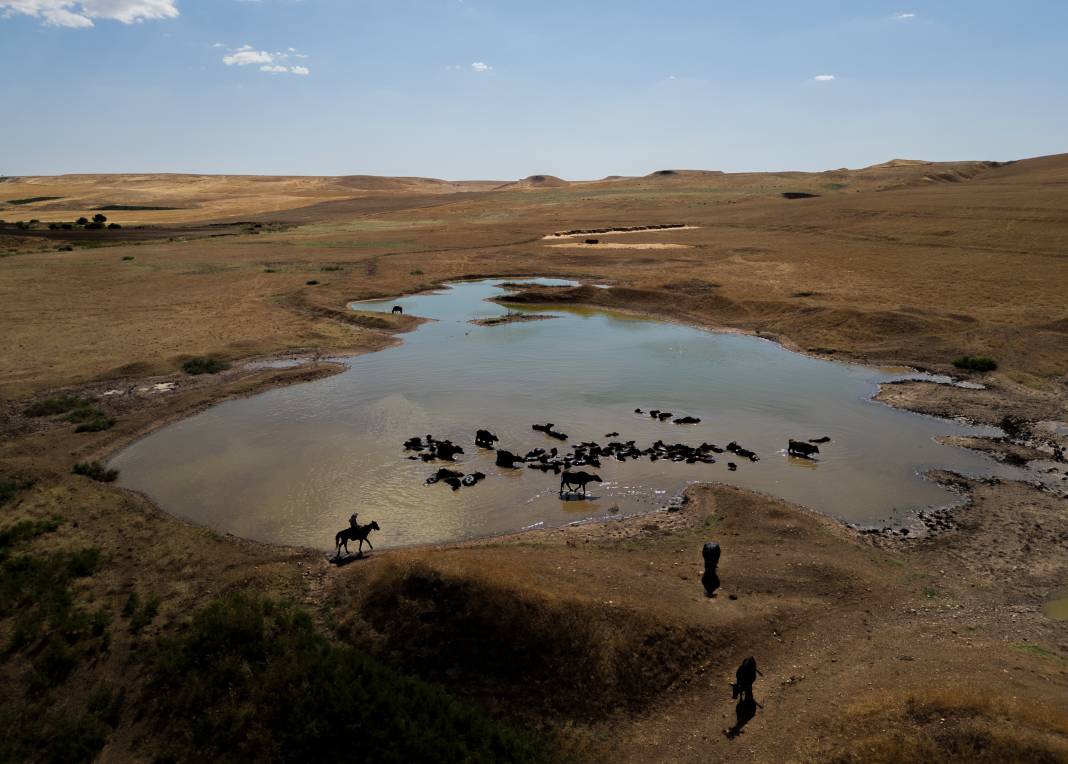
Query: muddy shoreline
x,y
246,382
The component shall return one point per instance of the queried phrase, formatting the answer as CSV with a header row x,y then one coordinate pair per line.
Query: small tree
x,y
98,218
82,221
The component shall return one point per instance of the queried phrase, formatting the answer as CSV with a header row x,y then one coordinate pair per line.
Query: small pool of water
x,y
291,464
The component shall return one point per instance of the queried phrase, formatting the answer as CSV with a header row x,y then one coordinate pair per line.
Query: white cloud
x,y
272,63
478,66
904,16
243,57
80,13
823,77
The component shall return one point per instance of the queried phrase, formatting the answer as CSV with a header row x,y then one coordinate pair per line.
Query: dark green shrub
x,y
127,258
89,419
52,406
975,363
313,282
9,488
113,226
95,471
252,680
204,365
331,268
82,221
416,272
98,218
95,227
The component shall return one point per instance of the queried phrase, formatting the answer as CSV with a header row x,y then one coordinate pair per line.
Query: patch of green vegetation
x,y
33,199
9,488
249,679
930,592
312,282
35,590
95,471
204,365
52,406
1027,647
330,268
365,225
132,208
837,186
34,732
127,258
269,270
975,363
90,419
140,614
416,272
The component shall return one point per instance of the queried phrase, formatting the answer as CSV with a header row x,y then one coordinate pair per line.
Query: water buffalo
x,y
821,439
687,420
732,466
443,449
710,552
577,481
473,478
800,448
485,439
397,309
744,678
507,459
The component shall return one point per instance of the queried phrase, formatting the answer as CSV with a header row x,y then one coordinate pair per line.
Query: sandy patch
x,y
616,245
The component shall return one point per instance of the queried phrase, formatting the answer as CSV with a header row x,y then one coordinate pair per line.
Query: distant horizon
x,y
412,176
480,89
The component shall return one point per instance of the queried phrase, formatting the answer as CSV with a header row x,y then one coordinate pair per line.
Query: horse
x,y
359,533
577,480
397,309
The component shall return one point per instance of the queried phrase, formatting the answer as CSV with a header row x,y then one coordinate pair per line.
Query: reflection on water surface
x,y
291,464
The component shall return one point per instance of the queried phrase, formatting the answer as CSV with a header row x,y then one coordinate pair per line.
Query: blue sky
x,y
503,89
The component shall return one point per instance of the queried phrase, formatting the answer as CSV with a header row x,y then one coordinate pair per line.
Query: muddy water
x,y
291,464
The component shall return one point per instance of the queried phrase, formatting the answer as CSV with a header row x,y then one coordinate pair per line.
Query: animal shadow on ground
x,y
744,713
578,497
346,559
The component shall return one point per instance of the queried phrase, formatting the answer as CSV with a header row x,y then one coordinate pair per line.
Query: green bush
x,y
52,406
90,419
9,488
312,282
975,363
96,471
252,680
204,365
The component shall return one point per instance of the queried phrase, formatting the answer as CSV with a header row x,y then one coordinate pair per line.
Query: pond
x,y
290,465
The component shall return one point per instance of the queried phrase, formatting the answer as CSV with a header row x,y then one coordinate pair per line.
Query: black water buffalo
x,y
577,481
507,459
732,466
800,448
443,449
687,420
485,439
744,678
443,474
710,552
821,439
473,478
397,309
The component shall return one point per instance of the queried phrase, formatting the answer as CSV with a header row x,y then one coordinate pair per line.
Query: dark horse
x,y
398,309
359,533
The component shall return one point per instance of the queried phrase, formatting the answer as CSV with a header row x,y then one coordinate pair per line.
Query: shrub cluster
x,y
252,680
975,363
79,411
95,471
204,365
55,634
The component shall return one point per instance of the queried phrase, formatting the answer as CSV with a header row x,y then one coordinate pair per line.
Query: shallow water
x,y
291,464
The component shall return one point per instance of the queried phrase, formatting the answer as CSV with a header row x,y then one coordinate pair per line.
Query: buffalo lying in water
x,y
800,448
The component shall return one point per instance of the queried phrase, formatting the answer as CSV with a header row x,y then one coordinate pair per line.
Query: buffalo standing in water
x,y
356,533
397,309
485,439
800,448
577,481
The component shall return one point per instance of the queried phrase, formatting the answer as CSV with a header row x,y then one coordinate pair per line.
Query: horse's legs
x,y
369,545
